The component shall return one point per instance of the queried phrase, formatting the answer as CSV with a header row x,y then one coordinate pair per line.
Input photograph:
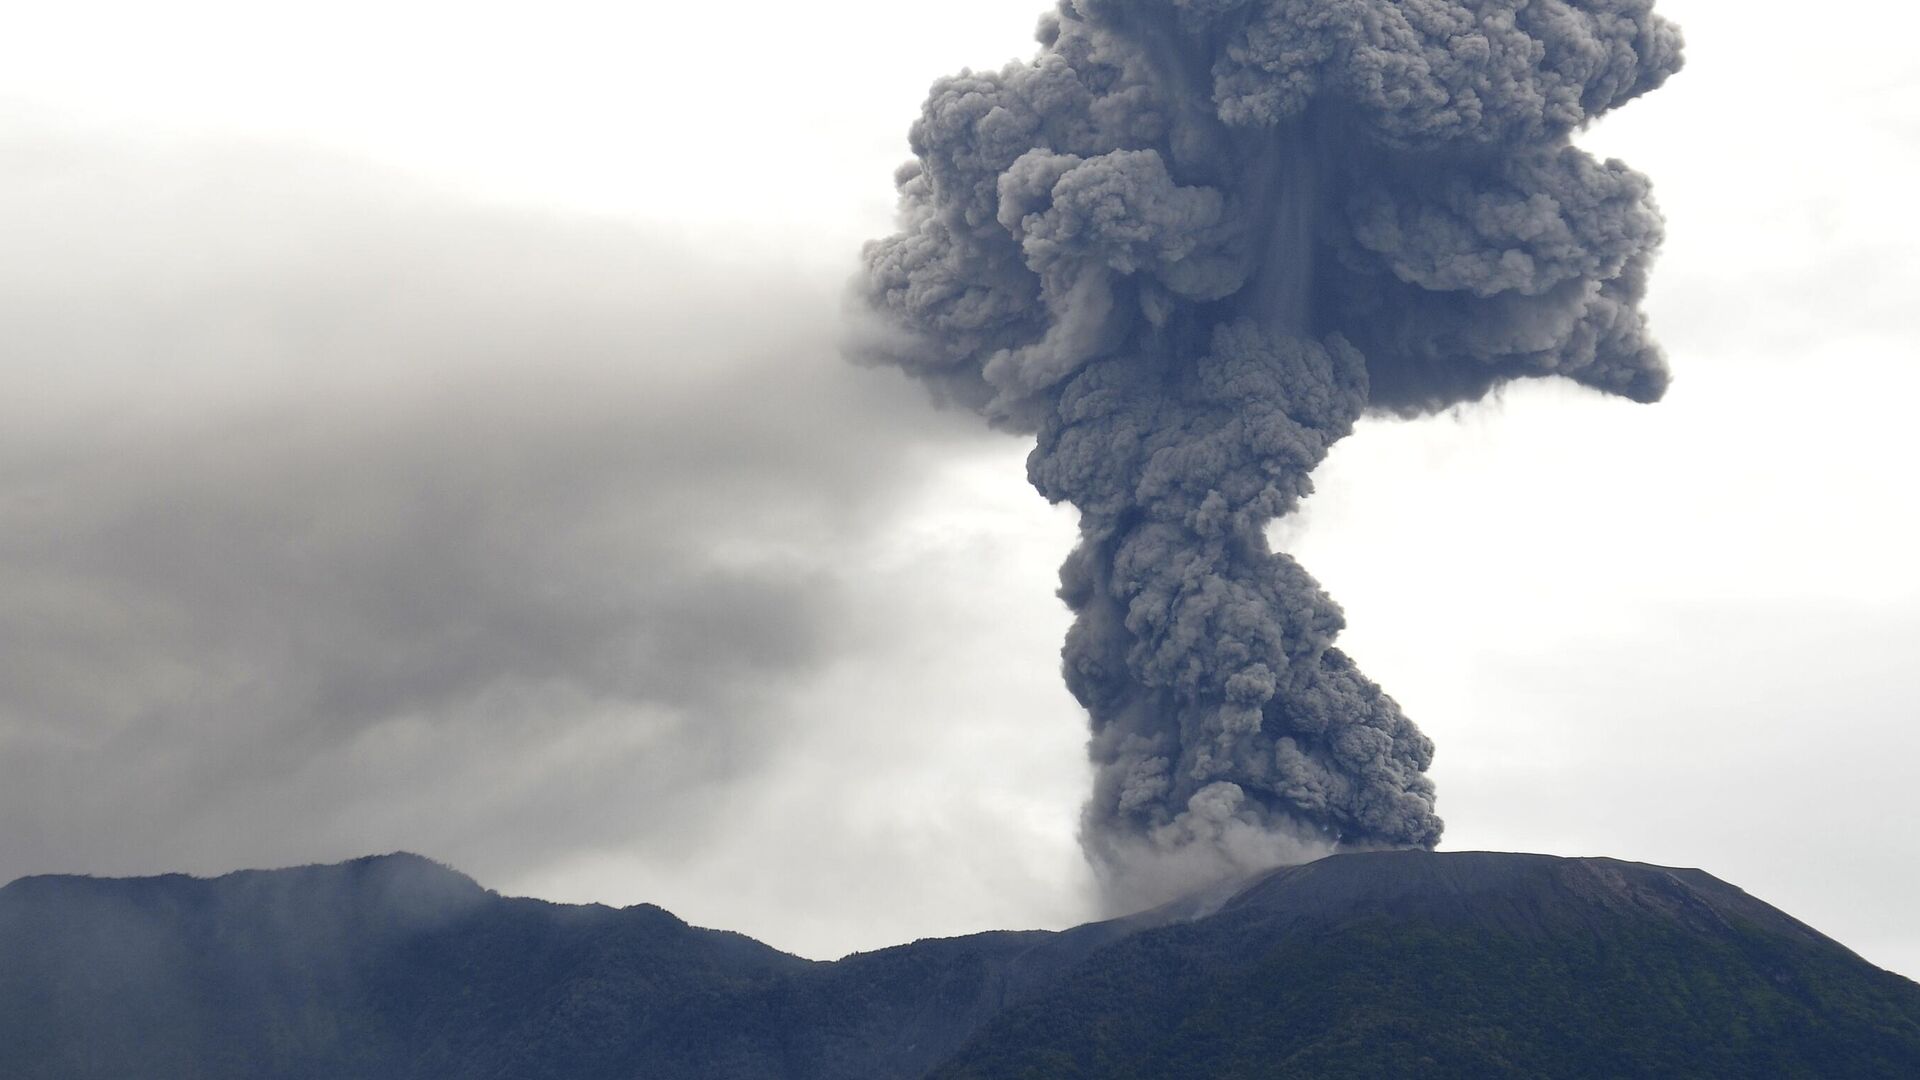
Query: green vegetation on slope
x,y
1421,999
1401,964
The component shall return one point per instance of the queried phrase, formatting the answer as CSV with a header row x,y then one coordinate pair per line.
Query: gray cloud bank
x,y
337,517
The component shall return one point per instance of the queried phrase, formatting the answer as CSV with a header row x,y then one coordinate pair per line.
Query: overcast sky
x,y
424,430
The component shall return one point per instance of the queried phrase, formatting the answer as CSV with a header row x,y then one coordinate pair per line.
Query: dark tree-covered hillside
x,y
1382,964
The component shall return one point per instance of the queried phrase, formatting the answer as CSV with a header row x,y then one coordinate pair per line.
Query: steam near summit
x,y
1187,246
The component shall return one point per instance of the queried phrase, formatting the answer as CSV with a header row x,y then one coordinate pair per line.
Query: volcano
x,y
1395,963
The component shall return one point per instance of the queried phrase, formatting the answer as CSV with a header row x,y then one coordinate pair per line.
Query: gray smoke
x,y
1188,245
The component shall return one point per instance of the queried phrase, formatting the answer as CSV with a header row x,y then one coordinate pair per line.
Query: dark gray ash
x,y
1187,246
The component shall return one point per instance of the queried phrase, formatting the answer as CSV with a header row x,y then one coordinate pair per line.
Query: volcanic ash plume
x,y
1187,246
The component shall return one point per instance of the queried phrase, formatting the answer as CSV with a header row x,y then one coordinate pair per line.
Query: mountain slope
x,y
387,966
1467,965
1392,963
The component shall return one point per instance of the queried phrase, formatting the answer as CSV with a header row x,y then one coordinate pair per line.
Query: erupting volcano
x,y
1187,246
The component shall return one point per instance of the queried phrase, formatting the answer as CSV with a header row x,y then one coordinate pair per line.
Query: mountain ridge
x,y
1477,963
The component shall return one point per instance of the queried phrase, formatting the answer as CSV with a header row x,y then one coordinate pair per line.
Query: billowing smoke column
x,y
1188,245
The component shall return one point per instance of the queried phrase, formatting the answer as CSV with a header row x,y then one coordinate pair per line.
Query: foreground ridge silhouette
x,y
1405,963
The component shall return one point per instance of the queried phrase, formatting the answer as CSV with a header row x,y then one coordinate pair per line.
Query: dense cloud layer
x,y
1188,246
338,516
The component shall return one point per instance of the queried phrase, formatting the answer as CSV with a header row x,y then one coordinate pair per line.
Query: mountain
x,y
1468,965
1370,964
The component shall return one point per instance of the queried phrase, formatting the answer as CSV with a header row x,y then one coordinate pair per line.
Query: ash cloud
x,y
337,515
1186,247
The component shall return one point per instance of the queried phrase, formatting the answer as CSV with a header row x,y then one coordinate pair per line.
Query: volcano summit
x,y
1394,963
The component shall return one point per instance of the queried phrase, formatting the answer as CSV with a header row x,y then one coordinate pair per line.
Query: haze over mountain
x,y
1367,964
348,483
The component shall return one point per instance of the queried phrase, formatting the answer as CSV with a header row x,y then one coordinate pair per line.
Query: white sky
x,y
1681,634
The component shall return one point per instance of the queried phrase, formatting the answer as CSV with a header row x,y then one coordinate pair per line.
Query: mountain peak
x,y
1509,892
1388,963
